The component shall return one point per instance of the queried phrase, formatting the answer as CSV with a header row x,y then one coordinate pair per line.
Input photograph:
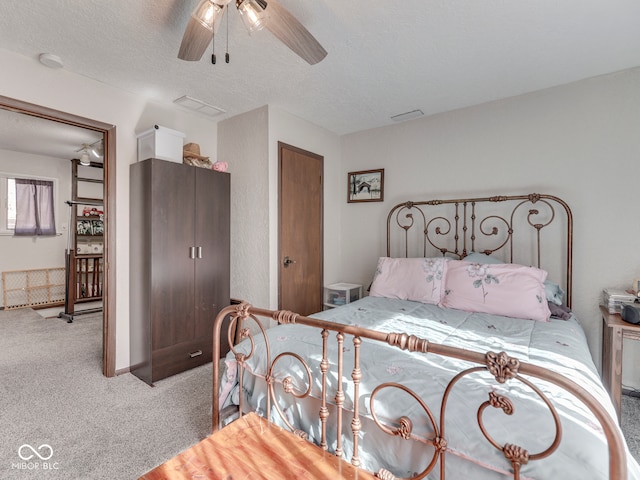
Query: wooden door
x,y
300,230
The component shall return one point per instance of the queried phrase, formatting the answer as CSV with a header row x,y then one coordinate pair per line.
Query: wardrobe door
x,y
140,227
212,272
173,322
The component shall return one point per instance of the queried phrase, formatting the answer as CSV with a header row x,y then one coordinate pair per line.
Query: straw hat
x,y
192,150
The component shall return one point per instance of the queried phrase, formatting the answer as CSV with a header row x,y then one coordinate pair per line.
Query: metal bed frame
x,y
489,225
467,230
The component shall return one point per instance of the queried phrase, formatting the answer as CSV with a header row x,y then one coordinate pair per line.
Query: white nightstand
x,y
338,294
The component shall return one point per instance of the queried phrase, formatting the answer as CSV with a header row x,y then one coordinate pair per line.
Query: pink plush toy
x,y
220,166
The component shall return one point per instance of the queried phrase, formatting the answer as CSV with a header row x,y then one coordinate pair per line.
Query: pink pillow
x,y
502,289
417,279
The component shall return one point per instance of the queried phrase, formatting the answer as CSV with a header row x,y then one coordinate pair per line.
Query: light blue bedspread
x,y
559,345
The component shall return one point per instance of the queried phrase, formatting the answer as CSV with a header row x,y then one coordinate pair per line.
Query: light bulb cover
x,y
253,14
209,14
96,149
84,159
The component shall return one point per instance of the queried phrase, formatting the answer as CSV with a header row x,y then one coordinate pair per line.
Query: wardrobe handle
x,y
199,250
197,353
192,252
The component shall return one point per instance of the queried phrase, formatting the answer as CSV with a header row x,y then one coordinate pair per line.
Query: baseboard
x,y
631,393
122,371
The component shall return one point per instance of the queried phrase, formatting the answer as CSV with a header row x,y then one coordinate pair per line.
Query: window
x,y
7,204
38,204
11,204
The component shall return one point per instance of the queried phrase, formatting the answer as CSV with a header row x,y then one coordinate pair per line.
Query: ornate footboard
x,y
500,368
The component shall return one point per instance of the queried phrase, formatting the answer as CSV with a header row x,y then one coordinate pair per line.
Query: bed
x,y
452,367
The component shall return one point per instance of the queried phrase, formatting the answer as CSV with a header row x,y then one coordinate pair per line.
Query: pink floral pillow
x,y
502,289
416,279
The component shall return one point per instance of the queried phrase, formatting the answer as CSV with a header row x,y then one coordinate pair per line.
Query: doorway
x,y
109,136
300,230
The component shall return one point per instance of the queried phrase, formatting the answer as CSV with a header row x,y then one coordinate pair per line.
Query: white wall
x,y
249,143
23,79
579,142
243,144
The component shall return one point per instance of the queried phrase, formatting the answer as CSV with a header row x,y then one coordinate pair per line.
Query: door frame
x,y
109,284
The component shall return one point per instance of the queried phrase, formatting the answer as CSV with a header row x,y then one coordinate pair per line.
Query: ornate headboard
x,y
533,229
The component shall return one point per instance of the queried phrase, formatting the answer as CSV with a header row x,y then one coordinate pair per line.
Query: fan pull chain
x,y
226,55
213,50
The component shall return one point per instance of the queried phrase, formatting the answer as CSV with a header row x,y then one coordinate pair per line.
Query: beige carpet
x,y
630,423
52,392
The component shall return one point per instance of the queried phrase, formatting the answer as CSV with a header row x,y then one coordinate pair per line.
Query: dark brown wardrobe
x,y
179,264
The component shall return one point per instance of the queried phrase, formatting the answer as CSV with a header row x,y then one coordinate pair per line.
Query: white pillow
x,y
416,279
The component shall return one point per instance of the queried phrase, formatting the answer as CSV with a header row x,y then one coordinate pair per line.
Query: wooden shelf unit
x,y
85,262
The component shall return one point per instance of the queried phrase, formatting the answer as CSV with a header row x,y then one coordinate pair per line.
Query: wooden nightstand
x,y
614,330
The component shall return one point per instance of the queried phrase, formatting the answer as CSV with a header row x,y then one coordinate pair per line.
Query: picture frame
x,y
83,227
97,227
365,186
89,227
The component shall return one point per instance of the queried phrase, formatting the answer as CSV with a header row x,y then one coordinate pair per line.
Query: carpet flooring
x,y
52,392
630,423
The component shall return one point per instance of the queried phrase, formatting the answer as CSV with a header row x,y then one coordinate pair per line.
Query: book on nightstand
x,y
615,299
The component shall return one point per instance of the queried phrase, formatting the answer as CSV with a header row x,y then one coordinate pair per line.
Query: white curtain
x,y
34,207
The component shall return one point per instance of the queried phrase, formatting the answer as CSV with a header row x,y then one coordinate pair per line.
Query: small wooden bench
x,y
252,448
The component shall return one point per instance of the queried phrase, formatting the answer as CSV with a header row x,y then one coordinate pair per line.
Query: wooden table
x,y
614,331
252,448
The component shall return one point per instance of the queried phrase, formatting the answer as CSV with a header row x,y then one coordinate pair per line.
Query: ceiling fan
x,y
256,14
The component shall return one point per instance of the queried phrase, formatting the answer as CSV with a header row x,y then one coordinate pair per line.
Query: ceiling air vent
x,y
401,117
198,106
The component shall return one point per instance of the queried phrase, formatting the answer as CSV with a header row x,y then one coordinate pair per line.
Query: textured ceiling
x,y
384,57
37,136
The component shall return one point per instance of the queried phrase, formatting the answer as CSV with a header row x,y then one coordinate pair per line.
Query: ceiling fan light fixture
x,y
209,14
84,158
96,149
252,13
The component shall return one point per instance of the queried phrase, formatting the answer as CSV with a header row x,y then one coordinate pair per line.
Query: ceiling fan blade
x,y
195,41
203,23
293,34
